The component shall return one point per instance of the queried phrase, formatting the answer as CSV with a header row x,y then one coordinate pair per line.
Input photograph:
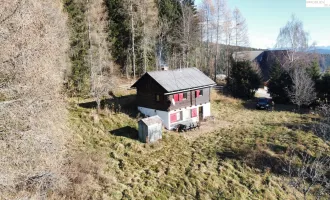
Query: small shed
x,y
150,129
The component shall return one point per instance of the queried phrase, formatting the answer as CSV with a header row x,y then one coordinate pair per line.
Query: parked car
x,y
263,103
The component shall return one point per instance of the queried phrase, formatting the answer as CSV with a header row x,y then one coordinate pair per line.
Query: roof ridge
x,y
180,79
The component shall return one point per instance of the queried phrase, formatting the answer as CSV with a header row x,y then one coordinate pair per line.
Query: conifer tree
x,y
279,83
243,80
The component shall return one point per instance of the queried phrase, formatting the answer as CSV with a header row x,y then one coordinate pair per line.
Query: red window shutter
x,y
173,117
197,93
194,112
176,97
180,96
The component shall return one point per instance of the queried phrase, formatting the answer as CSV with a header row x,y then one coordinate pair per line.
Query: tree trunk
x,y
217,43
144,39
133,39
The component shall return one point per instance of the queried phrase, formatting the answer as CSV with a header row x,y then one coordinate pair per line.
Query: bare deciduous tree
x,y
188,32
220,8
241,30
132,15
308,173
148,17
208,12
302,91
101,65
322,127
293,39
228,31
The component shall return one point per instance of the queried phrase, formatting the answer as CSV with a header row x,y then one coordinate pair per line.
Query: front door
x,y
200,111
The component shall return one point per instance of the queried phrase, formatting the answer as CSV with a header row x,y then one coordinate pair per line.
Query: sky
x,y
266,17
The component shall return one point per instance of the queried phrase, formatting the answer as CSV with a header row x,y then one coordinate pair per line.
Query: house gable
x,y
172,90
147,83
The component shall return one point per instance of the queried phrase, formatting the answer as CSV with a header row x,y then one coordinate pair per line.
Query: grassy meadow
x,y
237,155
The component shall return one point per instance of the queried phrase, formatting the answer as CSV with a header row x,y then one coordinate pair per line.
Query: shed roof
x,y
180,79
152,120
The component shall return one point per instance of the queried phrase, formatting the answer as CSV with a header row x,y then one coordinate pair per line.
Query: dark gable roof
x,y
247,55
265,59
180,79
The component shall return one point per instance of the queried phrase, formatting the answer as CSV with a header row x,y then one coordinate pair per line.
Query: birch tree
x,y
294,40
302,92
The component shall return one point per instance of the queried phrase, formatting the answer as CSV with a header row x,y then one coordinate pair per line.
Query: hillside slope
x,y
239,155
33,125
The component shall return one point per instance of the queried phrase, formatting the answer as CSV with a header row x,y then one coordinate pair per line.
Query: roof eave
x,y
189,89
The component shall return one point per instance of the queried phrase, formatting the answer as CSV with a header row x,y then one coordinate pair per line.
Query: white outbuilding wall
x,y
186,114
152,112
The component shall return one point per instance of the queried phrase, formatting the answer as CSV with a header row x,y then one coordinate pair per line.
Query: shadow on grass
x,y
258,159
124,104
231,155
126,131
251,105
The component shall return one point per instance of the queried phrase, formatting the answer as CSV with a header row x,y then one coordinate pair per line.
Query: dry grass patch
x,y
229,158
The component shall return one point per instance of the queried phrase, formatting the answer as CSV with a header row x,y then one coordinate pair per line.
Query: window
x,y
176,97
185,95
157,97
198,93
194,112
180,96
174,117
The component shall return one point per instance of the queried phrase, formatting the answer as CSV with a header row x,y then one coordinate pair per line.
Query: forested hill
x,y
128,38
52,50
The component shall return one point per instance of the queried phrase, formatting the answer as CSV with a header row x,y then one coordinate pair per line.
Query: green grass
x,y
239,158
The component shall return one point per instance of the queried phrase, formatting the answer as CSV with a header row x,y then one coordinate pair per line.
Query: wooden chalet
x,y
176,96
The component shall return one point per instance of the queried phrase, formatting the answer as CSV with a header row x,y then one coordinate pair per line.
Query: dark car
x,y
263,103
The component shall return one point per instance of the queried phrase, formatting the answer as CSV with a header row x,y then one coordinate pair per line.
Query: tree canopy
x,y
243,80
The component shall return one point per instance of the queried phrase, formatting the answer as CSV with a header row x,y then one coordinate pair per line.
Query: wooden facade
x,y
179,97
152,95
191,99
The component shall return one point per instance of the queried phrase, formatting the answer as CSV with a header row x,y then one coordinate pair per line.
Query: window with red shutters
x,y
176,97
180,96
194,112
173,117
197,92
